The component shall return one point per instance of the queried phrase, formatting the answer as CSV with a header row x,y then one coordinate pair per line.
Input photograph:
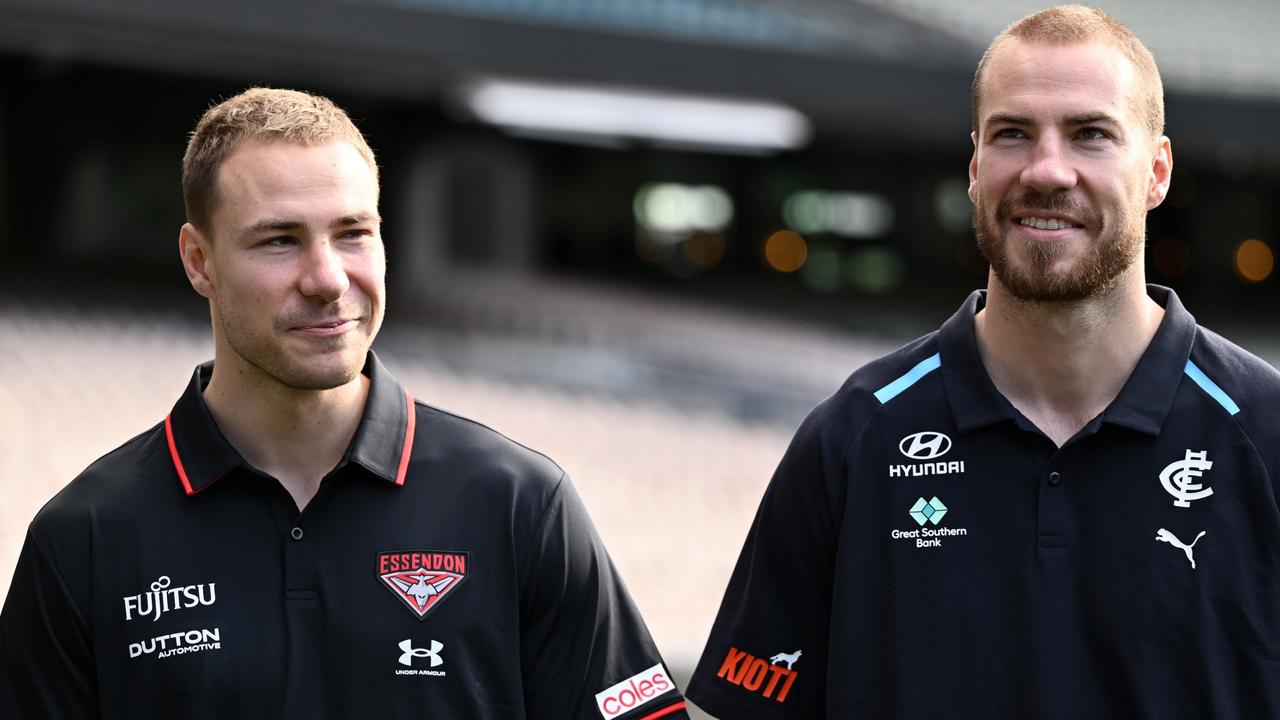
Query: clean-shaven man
x,y
299,538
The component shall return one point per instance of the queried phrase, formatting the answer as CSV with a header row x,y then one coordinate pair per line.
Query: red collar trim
x,y
407,450
177,461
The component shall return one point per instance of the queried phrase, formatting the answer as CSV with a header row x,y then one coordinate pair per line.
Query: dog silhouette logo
x,y
790,659
1163,535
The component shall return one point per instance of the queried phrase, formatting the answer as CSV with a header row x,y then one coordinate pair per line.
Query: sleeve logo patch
x,y
634,692
750,673
421,578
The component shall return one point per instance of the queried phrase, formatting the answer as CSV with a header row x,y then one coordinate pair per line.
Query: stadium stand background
x,y
657,314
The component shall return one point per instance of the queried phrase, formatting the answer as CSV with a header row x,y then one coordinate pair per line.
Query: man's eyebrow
x,y
1008,119
1091,118
282,225
357,219
272,225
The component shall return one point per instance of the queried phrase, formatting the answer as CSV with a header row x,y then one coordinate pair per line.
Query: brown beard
x,y
1114,250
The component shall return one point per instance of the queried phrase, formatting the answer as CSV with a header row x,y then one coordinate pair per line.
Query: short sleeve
x,y
585,650
766,657
46,661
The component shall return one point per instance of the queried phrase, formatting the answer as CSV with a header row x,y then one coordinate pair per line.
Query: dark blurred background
x,y
529,135
695,214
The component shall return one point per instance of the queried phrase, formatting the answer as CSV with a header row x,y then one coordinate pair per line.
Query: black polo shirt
x,y
441,571
923,551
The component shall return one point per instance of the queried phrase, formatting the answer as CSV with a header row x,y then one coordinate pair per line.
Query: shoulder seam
x,y
479,424
62,584
542,523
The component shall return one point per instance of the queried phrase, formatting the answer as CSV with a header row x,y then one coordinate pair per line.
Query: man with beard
x,y
299,538
1062,504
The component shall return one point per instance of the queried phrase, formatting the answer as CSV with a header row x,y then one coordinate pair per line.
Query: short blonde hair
x,y
258,115
1067,24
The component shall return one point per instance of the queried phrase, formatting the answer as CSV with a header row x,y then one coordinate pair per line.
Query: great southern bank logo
x,y
928,446
926,513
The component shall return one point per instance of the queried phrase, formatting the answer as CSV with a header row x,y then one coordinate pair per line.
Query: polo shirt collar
x,y
201,454
1143,402
974,400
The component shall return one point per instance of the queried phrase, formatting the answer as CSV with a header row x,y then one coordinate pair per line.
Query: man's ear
x,y
973,169
194,249
1161,173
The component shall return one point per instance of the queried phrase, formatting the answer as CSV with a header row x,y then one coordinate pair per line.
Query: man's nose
x,y
324,276
1049,167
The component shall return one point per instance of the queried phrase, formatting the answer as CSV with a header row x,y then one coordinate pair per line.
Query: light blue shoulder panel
x,y
1211,388
926,366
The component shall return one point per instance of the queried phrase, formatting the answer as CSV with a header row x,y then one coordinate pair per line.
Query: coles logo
x,y
634,692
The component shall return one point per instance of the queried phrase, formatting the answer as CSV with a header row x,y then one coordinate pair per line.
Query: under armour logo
x,y
1179,477
1163,535
411,652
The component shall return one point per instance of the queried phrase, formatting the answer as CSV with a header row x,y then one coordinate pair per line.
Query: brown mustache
x,y
1056,204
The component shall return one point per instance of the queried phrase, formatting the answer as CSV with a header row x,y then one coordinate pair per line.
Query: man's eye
x,y
279,241
1008,134
1093,133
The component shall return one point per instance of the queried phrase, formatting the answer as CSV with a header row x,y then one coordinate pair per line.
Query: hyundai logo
x,y
925,445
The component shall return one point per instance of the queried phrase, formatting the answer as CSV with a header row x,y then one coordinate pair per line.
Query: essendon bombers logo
x,y
421,578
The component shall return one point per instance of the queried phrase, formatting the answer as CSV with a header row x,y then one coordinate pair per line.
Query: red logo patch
x,y
421,578
750,673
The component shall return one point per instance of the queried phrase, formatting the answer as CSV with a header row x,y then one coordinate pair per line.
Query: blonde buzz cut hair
x,y
1070,24
258,115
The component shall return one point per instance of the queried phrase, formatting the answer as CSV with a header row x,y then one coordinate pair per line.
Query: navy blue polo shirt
x,y
924,551
441,570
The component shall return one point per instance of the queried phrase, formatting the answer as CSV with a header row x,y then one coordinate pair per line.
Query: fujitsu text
x,y
162,598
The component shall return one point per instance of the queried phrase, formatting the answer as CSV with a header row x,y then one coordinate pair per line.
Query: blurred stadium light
x,y
685,121
859,224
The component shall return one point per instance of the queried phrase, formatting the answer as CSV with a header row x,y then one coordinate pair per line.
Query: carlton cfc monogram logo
x,y
421,578
1179,478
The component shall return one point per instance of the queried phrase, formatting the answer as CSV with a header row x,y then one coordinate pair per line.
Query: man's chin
x,y
313,371
1049,287
315,379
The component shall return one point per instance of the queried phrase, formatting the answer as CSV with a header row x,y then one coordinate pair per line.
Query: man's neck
x,y
1062,364
296,436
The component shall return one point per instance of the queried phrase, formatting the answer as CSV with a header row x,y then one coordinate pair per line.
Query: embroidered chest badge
x,y
421,578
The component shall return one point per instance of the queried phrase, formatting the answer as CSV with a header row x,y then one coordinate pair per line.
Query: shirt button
x,y
1054,479
296,533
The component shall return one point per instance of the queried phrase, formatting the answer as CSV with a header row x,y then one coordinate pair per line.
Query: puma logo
x,y
1163,535
790,660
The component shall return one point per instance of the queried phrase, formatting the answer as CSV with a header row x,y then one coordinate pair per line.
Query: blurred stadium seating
x,y
671,471
531,290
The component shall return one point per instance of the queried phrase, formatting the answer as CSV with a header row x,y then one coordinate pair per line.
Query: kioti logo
x,y
750,673
634,692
